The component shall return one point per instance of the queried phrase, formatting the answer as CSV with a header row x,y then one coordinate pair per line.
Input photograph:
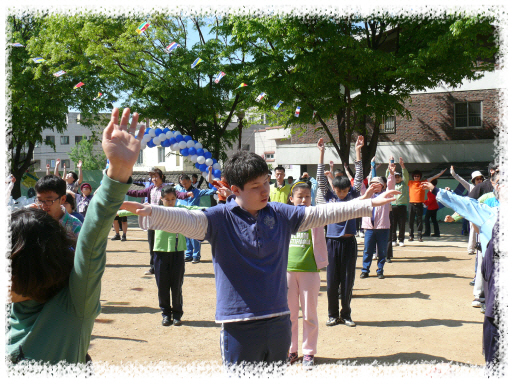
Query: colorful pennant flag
x,y
171,47
297,112
241,85
78,85
17,45
97,97
314,114
260,96
145,25
60,73
219,76
278,104
196,61
38,60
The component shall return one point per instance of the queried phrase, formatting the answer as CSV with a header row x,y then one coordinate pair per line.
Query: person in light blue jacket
x,y
193,252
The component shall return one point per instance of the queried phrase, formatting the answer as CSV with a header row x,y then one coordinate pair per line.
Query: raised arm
x,y
358,178
464,183
322,180
56,171
80,177
47,169
436,176
210,177
405,173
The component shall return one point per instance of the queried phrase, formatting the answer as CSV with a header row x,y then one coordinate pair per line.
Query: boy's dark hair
x,y
51,183
341,182
279,168
339,171
75,176
165,191
243,167
434,182
295,187
71,200
194,175
185,177
41,256
416,172
290,177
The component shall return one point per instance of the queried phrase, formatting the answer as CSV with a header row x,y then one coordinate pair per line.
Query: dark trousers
x,y
256,341
151,241
399,218
169,273
491,341
415,213
341,272
431,215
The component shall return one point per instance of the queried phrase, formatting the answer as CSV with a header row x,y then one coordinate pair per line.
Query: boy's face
x,y
290,180
341,193
398,179
169,200
417,177
478,180
186,183
302,196
86,191
68,207
69,178
50,202
194,179
255,194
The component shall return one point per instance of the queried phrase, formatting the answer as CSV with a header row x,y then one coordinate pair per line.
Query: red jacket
x,y
431,202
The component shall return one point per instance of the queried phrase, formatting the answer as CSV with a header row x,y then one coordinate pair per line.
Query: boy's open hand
x,y
121,144
385,198
369,191
320,145
359,143
427,185
137,208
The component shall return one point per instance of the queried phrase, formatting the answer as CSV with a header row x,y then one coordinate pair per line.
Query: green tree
x,y
37,99
161,86
91,159
355,70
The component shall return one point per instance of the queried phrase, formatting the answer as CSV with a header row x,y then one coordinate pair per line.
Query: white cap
x,y
475,175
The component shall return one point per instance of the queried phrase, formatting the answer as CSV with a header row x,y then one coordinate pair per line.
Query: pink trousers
x,y
304,286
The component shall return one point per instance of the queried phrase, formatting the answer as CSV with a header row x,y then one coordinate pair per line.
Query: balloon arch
x,y
191,149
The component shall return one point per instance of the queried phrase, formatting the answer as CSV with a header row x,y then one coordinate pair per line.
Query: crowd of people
x,y
269,243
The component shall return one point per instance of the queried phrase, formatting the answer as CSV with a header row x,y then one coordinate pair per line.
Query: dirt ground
x,y
421,311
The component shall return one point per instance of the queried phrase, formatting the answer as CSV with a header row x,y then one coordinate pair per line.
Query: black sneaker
x,y
420,240
188,258
472,282
123,238
364,275
116,237
176,322
332,321
411,238
166,321
388,260
380,275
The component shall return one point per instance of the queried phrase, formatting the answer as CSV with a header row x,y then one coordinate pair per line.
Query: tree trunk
x,y
18,167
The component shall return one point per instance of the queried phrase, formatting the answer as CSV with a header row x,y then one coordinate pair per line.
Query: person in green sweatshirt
x,y
399,206
55,285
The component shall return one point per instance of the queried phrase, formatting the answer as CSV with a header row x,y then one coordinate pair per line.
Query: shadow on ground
x,y
113,309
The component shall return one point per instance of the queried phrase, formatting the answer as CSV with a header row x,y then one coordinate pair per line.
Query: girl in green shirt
x,y
306,256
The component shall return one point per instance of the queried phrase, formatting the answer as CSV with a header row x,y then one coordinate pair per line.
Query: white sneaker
x,y
394,244
375,256
401,244
361,234
476,303
471,252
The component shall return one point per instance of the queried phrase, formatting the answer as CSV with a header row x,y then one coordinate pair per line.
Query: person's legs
x,y
309,287
389,251
435,223
471,240
125,227
427,223
347,275
162,264
419,218
293,306
382,236
196,245
394,223
278,339
116,229
369,249
491,339
412,216
402,220
334,248
177,275
151,241
190,250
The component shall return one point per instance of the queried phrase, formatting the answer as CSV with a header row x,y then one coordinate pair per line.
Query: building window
x,y
64,140
468,115
52,163
246,147
140,159
269,156
264,119
161,154
66,163
78,139
78,118
388,124
50,139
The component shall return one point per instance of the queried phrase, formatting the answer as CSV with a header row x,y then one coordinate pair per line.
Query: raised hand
x,y
79,165
401,161
305,175
385,198
121,144
447,188
329,174
224,191
57,163
190,194
320,145
370,191
359,142
448,219
392,168
137,208
47,166
427,185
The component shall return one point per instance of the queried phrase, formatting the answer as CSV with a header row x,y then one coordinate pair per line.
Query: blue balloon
x,y
179,138
195,141
200,152
187,138
207,155
217,173
165,143
214,161
215,189
184,151
191,151
172,141
203,167
147,130
197,165
158,131
166,130
151,144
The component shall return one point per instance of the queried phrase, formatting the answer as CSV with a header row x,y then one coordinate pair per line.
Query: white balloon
x,y
216,179
143,144
162,137
205,175
175,147
169,135
156,140
177,133
190,143
216,166
200,159
208,162
146,138
182,144
193,158
152,132
198,145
